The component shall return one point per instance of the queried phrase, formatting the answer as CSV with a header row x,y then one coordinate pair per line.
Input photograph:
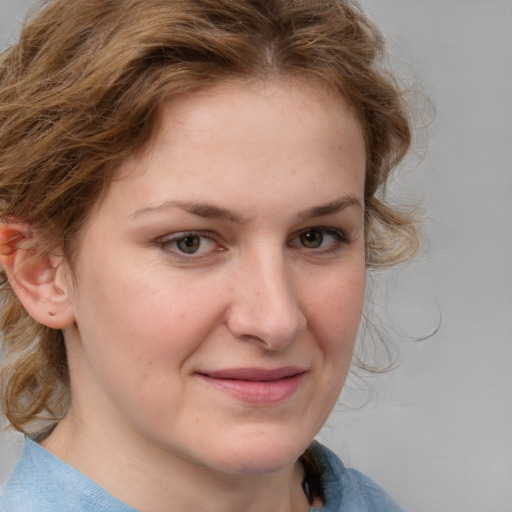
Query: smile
x,y
256,386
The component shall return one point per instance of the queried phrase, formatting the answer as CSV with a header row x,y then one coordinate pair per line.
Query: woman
x,y
190,201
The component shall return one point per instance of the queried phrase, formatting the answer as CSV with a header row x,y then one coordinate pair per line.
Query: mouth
x,y
256,386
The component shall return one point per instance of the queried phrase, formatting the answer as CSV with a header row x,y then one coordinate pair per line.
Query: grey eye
x,y
312,239
189,244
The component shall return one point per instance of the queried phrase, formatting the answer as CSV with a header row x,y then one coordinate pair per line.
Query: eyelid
x,y
340,239
183,234
165,243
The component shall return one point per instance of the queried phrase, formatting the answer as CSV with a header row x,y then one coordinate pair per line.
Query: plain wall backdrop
x,y
439,437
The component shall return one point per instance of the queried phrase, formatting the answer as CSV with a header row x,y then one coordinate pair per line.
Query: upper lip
x,y
254,374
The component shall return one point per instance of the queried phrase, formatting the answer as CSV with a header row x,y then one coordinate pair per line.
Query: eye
x,y
312,238
189,244
320,239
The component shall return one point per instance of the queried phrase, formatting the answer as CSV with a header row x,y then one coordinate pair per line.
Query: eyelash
x,y
340,240
166,243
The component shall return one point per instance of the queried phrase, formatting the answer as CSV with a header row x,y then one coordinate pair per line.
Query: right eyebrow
x,y
201,209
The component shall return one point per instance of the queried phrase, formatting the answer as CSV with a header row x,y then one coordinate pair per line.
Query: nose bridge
x,y
266,305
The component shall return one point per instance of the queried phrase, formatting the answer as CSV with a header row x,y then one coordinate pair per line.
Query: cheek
x,y
138,336
335,324
338,313
145,305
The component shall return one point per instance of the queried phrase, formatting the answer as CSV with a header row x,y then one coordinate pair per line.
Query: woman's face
x,y
220,281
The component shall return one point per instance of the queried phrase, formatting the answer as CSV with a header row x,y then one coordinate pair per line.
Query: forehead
x,y
240,133
221,115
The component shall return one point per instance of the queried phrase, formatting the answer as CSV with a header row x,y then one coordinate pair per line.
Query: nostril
x,y
273,328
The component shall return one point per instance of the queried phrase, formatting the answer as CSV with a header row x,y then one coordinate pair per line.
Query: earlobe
x,y
39,280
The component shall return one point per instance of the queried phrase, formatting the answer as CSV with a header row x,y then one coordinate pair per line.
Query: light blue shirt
x,y
40,482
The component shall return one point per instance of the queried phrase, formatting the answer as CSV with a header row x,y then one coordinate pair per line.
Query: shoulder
x,y
348,490
30,486
41,482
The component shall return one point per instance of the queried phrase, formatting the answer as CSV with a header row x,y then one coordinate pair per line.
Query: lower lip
x,y
257,392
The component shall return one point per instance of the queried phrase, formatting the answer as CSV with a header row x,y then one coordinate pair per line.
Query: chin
x,y
262,454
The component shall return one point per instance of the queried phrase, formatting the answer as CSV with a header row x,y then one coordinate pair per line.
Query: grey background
x,y
438,437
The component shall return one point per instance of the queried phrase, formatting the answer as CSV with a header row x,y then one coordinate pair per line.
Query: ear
x,y
41,282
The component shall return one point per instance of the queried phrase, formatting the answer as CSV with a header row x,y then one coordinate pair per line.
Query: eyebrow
x,y
330,208
201,209
212,211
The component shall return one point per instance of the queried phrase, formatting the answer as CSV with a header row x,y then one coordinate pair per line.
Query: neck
x,y
150,478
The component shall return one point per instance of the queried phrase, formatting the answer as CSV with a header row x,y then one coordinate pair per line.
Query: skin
x,y
275,282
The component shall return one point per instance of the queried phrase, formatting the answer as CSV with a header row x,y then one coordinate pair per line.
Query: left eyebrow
x,y
330,208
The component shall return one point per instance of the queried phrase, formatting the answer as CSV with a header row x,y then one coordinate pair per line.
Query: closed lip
x,y
256,386
255,374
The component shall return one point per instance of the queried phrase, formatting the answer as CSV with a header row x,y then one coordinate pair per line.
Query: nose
x,y
265,305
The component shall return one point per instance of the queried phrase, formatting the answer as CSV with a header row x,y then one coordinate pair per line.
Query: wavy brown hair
x,y
82,89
